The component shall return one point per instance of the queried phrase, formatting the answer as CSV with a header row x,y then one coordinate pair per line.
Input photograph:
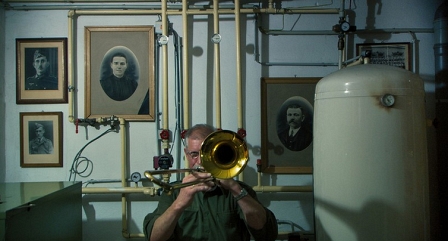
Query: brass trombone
x,y
223,153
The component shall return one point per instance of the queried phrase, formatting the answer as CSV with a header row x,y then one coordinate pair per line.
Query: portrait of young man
x,y
44,73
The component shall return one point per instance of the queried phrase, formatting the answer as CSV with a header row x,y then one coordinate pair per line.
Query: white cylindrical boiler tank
x,y
370,155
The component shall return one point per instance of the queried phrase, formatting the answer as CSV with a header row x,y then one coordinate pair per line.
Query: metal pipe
x,y
70,63
239,105
260,188
186,73
283,188
119,190
124,183
164,68
238,63
165,112
117,9
217,64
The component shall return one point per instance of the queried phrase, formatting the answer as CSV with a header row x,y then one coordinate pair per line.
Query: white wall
x,y
102,213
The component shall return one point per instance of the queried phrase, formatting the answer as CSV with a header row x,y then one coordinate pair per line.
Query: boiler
x,y
370,155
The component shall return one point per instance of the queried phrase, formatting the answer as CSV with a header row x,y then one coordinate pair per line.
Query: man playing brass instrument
x,y
222,210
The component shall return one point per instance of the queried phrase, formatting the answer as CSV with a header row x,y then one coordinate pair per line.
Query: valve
x,y
258,165
242,132
183,133
165,135
76,124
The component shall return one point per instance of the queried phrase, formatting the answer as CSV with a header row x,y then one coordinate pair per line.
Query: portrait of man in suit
x,y
296,135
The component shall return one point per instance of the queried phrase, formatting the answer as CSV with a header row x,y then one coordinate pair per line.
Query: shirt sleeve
x,y
270,229
148,222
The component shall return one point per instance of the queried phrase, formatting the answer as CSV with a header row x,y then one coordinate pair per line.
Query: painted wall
x,y
102,213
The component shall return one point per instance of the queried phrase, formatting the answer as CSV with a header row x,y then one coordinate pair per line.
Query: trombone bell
x,y
224,154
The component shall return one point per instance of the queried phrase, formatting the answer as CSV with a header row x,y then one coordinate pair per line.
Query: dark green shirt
x,y
213,216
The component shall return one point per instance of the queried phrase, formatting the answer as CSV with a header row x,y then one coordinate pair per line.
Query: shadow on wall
x,y
110,229
375,211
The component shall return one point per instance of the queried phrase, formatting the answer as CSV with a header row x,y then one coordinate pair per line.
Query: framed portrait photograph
x,y
287,124
394,54
41,70
120,72
41,139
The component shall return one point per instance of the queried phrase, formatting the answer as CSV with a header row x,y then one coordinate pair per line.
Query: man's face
x,y
40,132
41,65
119,66
294,117
192,152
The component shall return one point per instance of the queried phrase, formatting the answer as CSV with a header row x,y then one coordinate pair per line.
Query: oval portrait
x,y
295,123
119,73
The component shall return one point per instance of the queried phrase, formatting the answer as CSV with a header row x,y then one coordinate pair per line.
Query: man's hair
x,y
119,54
198,132
38,125
295,106
39,53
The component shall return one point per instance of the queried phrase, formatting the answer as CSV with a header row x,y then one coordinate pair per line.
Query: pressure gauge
x,y
216,38
163,39
345,26
388,100
136,176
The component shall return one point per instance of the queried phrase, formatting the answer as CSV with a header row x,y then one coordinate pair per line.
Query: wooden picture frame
x,y
41,139
41,70
278,153
105,95
394,54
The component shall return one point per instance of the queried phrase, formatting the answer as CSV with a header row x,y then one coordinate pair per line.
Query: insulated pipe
x,y
164,68
260,188
238,63
217,64
70,62
165,127
342,36
238,71
186,74
124,217
154,9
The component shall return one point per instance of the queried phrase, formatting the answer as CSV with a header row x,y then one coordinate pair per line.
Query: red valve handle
x,y
165,134
242,132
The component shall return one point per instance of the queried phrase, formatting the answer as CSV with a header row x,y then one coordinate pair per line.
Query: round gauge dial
x,y
345,26
136,176
388,100
163,39
216,38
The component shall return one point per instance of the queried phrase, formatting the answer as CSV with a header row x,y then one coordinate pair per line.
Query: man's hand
x,y
186,194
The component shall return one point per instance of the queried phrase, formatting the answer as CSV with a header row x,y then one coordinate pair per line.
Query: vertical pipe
x,y
238,64
123,175
70,61
343,37
186,74
165,142
186,86
217,64
238,71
